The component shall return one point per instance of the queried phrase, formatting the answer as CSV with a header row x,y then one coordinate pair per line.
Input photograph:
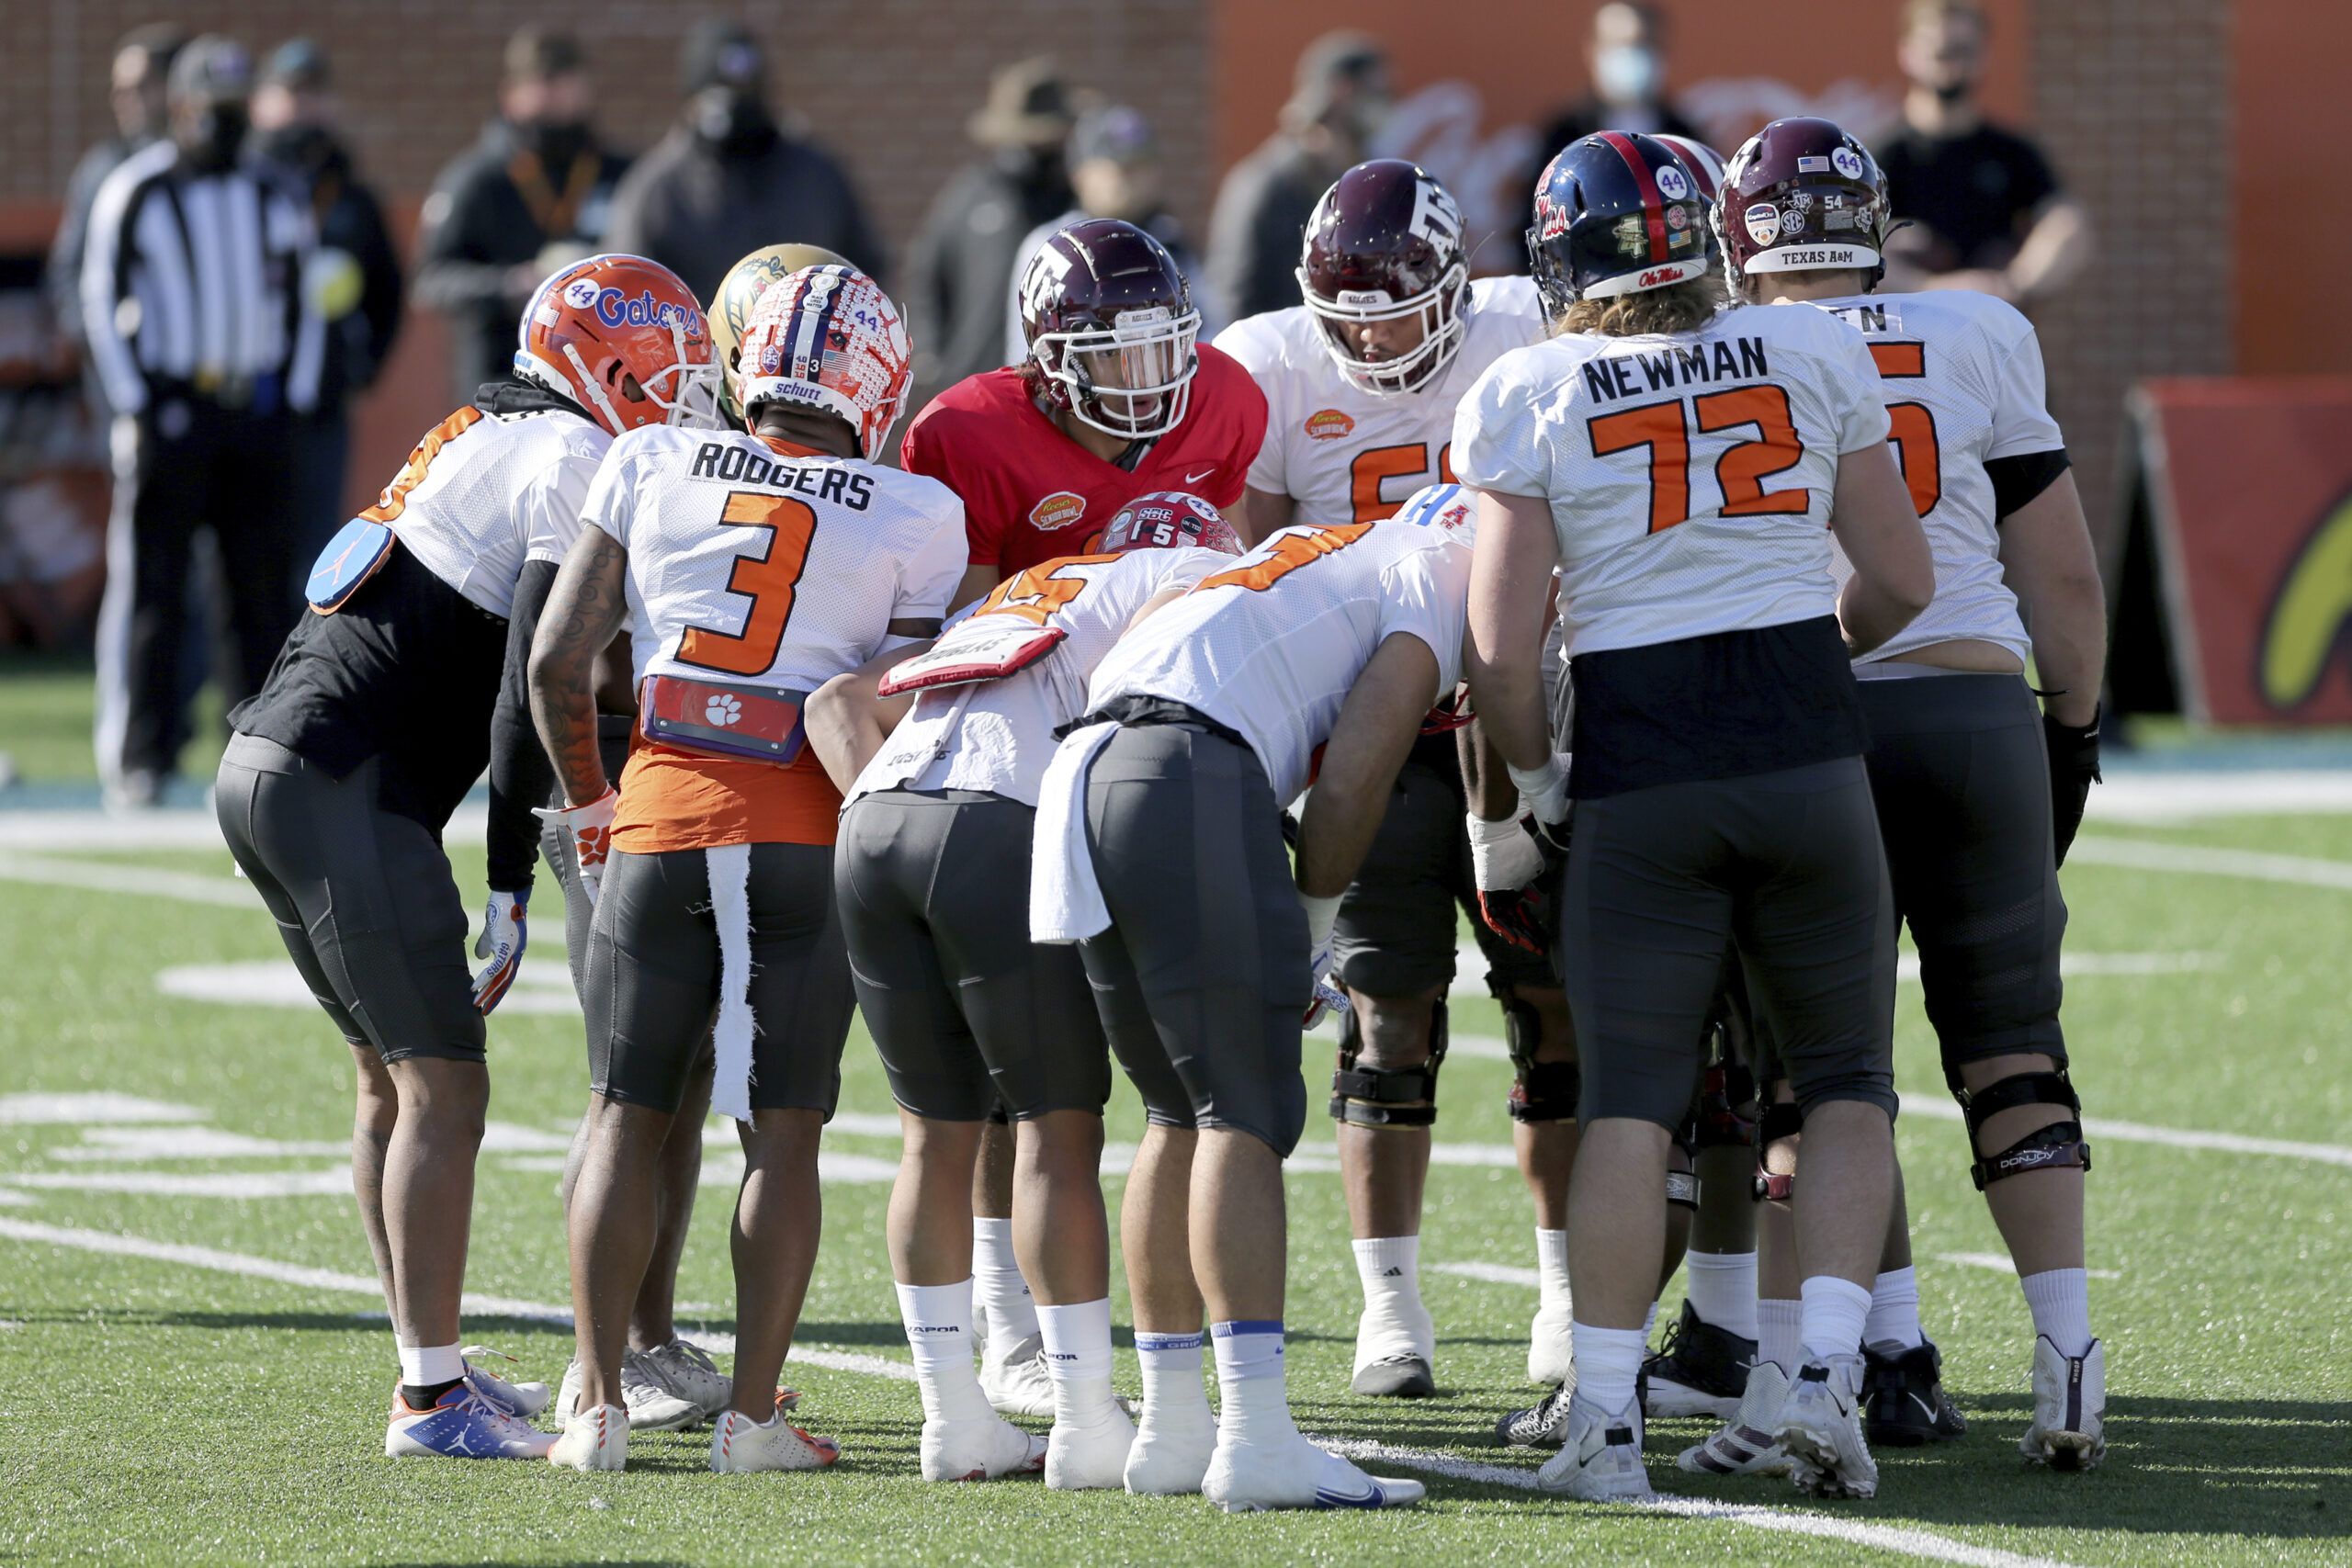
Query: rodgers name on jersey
x,y
1345,455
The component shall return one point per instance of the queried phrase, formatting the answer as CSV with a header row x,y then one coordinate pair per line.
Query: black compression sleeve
x,y
521,776
2016,481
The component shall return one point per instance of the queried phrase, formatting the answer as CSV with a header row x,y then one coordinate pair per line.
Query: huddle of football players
x,y
1670,613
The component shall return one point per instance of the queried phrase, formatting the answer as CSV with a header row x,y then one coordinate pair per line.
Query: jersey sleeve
x,y
1428,596
927,582
2021,422
611,497
925,451
1244,405
1497,441
1257,352
553,503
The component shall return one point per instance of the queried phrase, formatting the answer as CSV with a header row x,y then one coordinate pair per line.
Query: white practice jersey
x,y
1963,386
1689,477
485,493
1348,456
1271,646
752,566
998,736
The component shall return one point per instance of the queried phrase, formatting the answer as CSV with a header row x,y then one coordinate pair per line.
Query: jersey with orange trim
x,y
1348,456
1271,644
1964,384
1031,493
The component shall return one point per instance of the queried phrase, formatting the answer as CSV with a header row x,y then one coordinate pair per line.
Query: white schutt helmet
x,y
828,339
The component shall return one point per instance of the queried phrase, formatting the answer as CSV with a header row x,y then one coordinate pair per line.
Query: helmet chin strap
x,y
595,391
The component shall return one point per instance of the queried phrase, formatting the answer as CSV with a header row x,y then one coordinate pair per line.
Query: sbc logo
x,y
722,710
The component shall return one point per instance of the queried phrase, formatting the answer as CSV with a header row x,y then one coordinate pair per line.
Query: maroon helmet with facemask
x,y
1384,244
1801,196
1111,328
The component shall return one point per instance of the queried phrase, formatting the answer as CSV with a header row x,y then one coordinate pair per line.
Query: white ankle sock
x,y
1649,1320
1835,1311
1779,1335
939,1332
1078,1353
421,1366
1608,1363
1172,1396
1894,1313
1722,1287
1253,1406
1390,1267
997,1281
2059,1300
1551,1268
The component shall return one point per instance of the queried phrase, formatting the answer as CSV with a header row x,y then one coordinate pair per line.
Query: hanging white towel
x,y
1065,901
731,910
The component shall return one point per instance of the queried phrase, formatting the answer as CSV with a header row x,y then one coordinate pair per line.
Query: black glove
x,y
2073,768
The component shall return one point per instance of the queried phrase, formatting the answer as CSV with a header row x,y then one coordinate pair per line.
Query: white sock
x,y
1078,1353
1835,1311
1608,1363
1172,1396
1722,1287
1779,1335
1253,1406
421,1366
939,1332
1390,1267
2059,1300
1649,1320
1893,1324
1551,1268
997,1281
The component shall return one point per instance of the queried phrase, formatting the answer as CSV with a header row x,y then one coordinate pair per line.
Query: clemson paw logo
x,y
722,710
594,844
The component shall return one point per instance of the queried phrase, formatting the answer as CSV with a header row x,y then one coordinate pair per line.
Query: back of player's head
x,y
1616,213
829,341
730,306
1167,520
1802,195
622,337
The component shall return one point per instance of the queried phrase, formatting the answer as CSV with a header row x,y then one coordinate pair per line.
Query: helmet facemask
x,y
1132,380
1444,318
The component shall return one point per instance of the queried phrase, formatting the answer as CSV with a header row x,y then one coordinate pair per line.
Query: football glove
x,y
1507,863
503,937
590,828
1544,794
1324,994
2073,768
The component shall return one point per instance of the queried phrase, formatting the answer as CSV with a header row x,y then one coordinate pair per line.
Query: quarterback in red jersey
x,y
1116,399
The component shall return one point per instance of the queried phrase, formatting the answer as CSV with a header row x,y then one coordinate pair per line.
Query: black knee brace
x,y
1375,1097
1774,1123
2058,1146
1540,1091
1682,1189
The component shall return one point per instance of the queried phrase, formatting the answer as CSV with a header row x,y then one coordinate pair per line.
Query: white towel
x,y
1065,901
731,910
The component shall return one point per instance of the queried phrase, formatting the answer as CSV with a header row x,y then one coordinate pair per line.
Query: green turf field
x,y
193,1363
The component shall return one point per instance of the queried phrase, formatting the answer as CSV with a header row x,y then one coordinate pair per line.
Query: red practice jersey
x,y
1031,493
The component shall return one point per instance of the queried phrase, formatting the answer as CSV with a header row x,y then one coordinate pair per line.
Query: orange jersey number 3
x,y
770,580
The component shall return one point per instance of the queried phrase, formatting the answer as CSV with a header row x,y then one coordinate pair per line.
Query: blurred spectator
x,y
727,177
354,281
193,298
136,92
962,261
1985,209
1114,169
1625,62
532,195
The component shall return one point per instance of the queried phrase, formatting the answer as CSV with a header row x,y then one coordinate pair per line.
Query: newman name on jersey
x,y
1346,455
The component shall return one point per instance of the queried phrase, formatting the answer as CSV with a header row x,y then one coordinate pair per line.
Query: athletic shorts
x,y
1962,786
968,1013
363,897
1399,931
654,976
1661,882
1203,978
613,731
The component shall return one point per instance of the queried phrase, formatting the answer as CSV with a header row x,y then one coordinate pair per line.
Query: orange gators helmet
x,y
624,338
828,339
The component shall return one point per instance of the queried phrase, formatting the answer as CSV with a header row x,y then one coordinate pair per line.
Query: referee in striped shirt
x,y
199,325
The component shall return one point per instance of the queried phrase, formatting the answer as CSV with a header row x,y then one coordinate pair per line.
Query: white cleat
x,y
1395,1352
1092,1458
1547,1345
1820,1429
685,1372
1748,1443
739,1445
1017,1381
523,1399
2069,1427
593,1439
651,1406
979,1450
1602,1459
1244,1478
1172,1450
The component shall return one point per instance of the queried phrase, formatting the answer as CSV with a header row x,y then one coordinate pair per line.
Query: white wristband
x,y
1322,914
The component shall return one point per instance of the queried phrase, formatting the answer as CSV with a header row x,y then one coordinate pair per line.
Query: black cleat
x,y
1699,1369
1396,1377
1905,1405
1543,1424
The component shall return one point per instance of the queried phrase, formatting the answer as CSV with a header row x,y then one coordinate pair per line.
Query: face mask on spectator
x,y
728,118
296,146
217,136
556,141
1625,73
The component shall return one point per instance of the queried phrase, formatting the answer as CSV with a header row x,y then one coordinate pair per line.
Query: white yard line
x,y
2254,865
189,887
2097,1127
2001,1263
22,1110
1491,1273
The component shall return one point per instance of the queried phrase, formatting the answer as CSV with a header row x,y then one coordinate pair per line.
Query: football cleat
x,y
2069,1427
1394,1350
979,1450
739,1445
1015,1376
1396,1377
1543,1424
1092,1458
523,1399
1548,1344
688,1372
1748,1444
1820,1429
461,1423
1245,1478
1600,1458
1171,1449
651,1406
1904,1400
1699,1369
593,1439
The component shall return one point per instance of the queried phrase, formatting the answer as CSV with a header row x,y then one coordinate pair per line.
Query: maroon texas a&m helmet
x,y
1111,328
1801,196
1384,244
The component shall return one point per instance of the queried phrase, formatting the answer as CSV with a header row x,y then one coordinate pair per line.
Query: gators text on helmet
x,y
625,339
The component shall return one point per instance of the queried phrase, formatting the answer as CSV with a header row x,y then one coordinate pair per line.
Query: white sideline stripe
x,y
1492,1273
2253,864
22,1110
2097,1127
1851,1532
335,1180
147,883
2000,1263
275,983
133,1144
179,829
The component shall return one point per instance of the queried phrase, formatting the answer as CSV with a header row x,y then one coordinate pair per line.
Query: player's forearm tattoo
x,y
583,611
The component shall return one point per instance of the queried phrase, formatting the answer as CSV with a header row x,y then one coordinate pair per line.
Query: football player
x,y
375,721
934,883
1979,789
1361,381
1677,466
1160,849
1116,399
750,567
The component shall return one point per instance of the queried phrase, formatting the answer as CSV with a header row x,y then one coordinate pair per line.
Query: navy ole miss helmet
x,y
1615,213
1801,196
